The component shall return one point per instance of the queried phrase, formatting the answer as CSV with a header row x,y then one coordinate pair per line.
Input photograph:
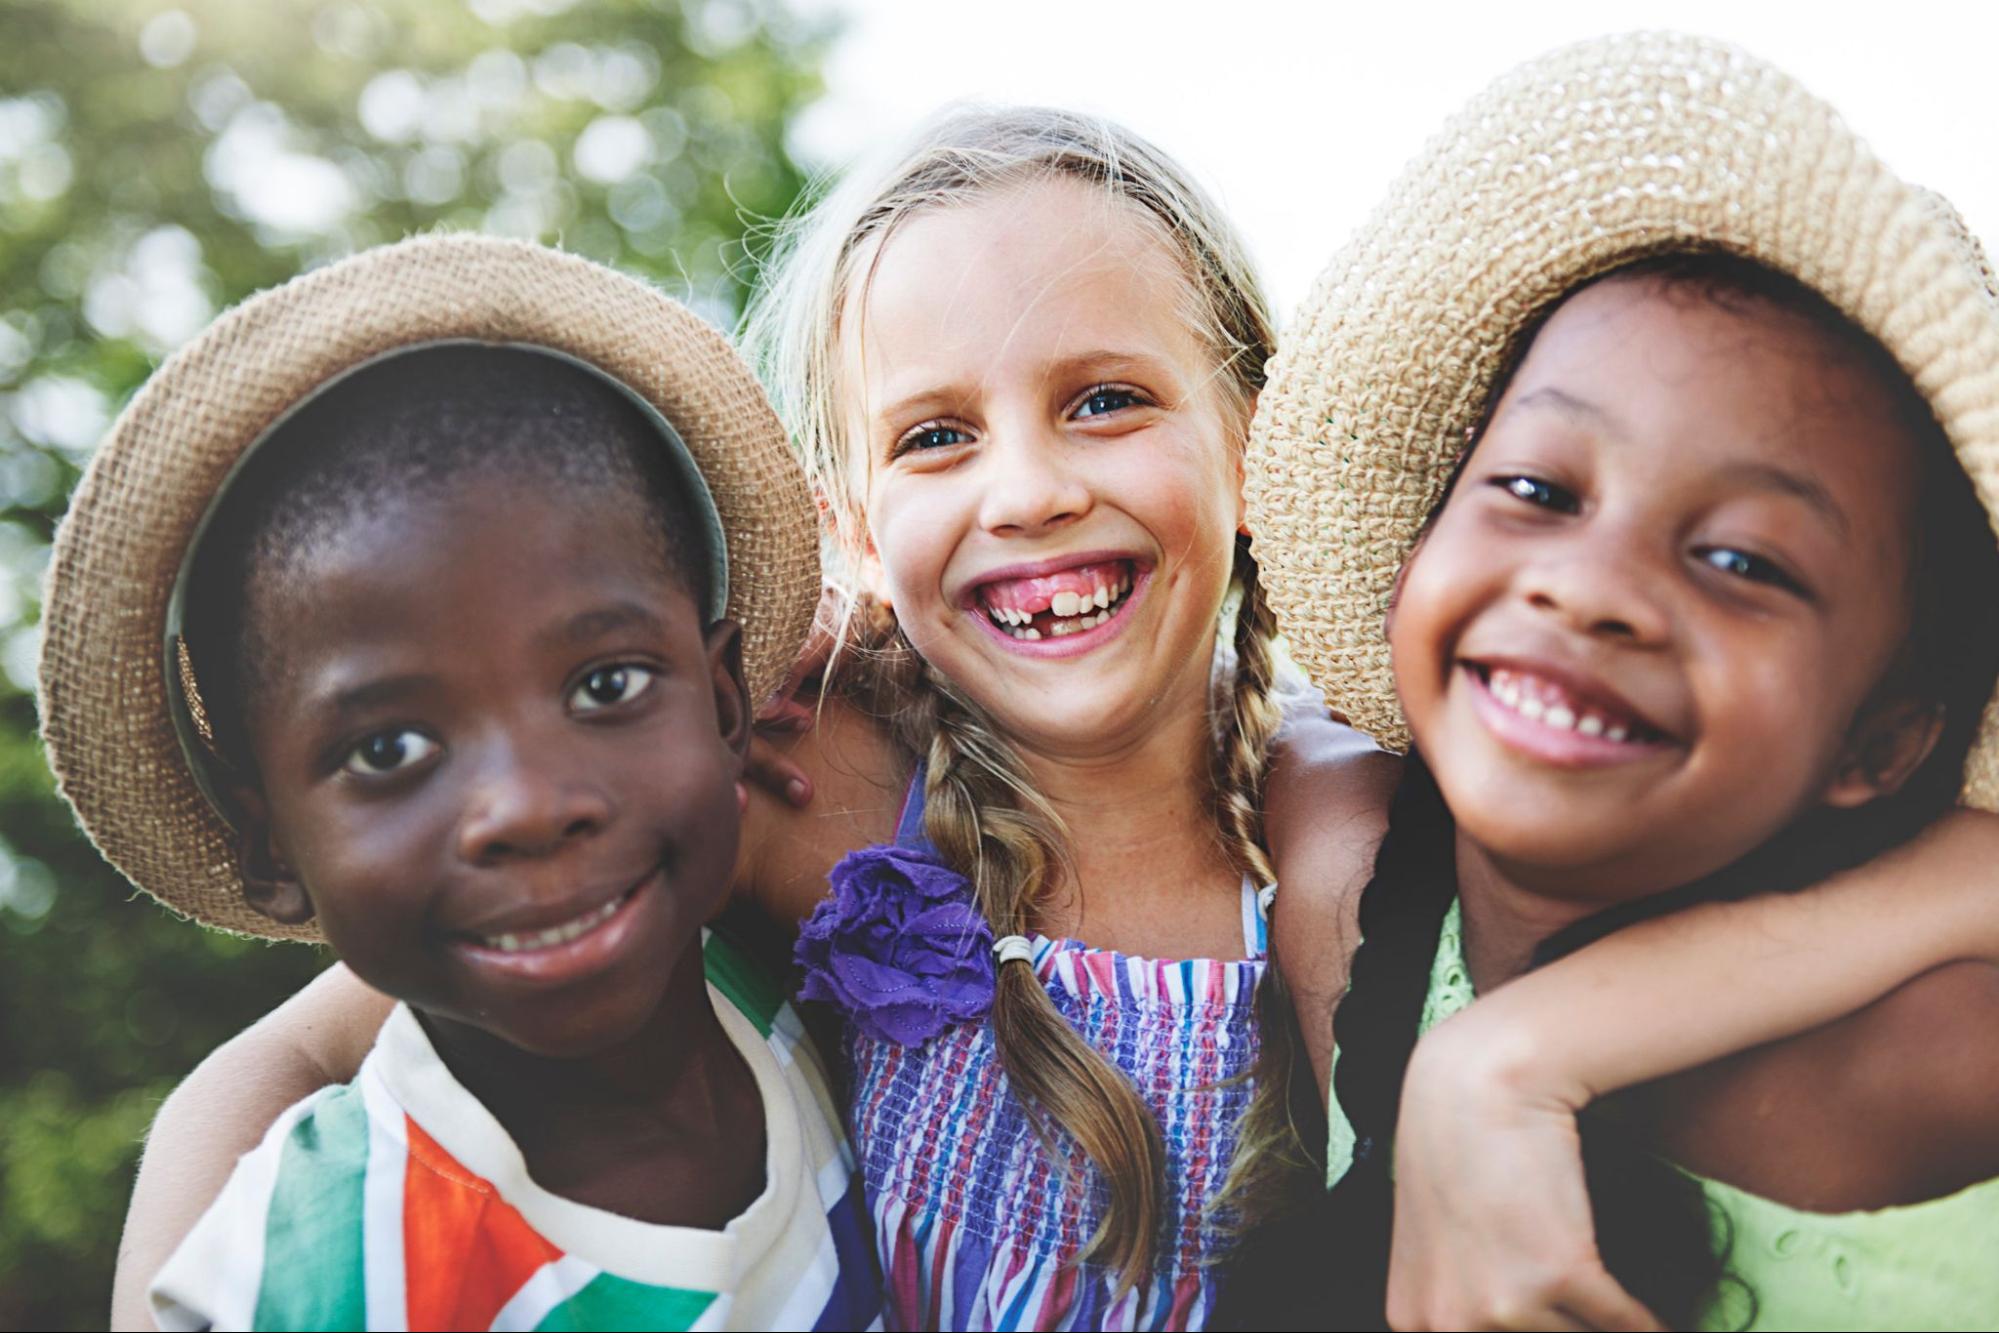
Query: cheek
x,y
912,531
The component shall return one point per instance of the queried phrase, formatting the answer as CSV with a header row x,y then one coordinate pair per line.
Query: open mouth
x,y
1559,707
1055,605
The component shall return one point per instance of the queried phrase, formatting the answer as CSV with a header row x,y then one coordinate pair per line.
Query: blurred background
x,y
161,159
158,163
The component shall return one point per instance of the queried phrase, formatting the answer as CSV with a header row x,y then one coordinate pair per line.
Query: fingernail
x,y
797,790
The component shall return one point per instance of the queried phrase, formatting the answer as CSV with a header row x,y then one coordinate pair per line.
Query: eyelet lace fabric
x,y
1933,1264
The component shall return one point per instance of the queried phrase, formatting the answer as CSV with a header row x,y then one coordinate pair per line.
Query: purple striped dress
x,y
978,1224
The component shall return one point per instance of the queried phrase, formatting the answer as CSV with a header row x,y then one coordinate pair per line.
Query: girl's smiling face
x,y
1052,479
1644,632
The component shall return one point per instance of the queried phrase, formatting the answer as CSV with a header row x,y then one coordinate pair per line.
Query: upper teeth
x,y
1506,687
1072,612
574,928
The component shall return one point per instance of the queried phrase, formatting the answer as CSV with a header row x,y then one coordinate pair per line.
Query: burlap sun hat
x,y
1571,165
113,712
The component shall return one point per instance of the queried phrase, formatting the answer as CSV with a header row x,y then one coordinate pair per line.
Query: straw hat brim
x,y
106,697
1574,164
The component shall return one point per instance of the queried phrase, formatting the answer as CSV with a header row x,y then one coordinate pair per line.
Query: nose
x,y
1030,482
1600,586
521,808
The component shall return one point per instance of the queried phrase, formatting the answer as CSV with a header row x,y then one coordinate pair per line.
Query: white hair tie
x,y
1010,947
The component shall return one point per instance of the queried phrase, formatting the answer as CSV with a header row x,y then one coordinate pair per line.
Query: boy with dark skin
x,y
491,715
438,544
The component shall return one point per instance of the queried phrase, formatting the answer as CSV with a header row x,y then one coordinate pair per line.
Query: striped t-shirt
x,y
398,1202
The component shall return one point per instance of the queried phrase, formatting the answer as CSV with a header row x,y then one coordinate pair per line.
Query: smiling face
x,y
1641,635
1050,470
498,757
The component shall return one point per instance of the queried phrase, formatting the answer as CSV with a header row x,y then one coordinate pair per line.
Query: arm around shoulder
x,y
223,1109
1325,808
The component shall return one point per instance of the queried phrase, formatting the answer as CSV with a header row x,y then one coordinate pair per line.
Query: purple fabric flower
x,y
899,946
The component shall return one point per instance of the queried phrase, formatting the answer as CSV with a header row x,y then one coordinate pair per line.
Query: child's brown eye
x,y
607,687
389,752
1541,494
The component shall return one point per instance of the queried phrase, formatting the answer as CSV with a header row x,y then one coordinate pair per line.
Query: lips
x,y
1056,603
1561,718
556,946
1563,706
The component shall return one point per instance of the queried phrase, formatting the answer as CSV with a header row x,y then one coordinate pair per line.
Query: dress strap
x,y
1255,929
909,823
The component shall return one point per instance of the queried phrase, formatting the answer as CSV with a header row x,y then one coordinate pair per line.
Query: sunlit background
x,y
160,159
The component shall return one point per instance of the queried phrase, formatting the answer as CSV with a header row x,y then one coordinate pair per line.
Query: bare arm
x,y
1324,810
222,1109
1492,1094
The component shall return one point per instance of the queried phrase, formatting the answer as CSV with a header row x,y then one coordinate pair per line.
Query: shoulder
x,y
858,781
295,1201
1895,1103
1925,1062
1326,808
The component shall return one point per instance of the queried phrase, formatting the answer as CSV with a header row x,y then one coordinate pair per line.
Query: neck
x,y
658,1078
1140,820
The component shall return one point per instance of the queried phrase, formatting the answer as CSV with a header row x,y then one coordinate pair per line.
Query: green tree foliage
x,y
158,164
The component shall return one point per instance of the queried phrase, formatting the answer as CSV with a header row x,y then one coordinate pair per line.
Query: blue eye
x,y
607,687
1104,400
1541,494
388,752
931,437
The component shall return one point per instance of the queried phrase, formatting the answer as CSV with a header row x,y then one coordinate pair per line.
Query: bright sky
x,y
1300,114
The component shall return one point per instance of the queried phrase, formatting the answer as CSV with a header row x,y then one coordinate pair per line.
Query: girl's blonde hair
x,y
982,811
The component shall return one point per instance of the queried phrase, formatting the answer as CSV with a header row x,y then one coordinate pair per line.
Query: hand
x,y
791,711
1493,1227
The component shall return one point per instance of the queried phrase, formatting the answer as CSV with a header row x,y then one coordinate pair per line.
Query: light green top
x,y
1926,1265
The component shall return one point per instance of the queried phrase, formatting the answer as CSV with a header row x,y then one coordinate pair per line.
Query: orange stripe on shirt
x,y
466,1251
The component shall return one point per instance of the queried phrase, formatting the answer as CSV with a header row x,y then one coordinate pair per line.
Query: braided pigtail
x,y
1326,1265
1277,1162
986,820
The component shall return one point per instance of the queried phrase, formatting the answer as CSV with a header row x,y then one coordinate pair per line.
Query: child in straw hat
x,y
1685,414
419,606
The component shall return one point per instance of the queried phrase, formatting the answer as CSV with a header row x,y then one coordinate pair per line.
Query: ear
x,y
1395,589
1888,744
270,885
1241,466
724,641
874,577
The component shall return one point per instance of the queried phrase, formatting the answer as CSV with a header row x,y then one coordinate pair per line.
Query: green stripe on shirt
x,y
313,1275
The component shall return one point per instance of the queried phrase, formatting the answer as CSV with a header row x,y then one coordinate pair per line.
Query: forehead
x,y
1717,379
1013,281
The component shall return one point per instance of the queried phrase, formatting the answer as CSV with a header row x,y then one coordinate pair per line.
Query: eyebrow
x,y
1760,476
340,704
599,621
1550,398
1770,477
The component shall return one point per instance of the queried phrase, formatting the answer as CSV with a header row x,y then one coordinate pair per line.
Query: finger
x,y
1600,1303
778,775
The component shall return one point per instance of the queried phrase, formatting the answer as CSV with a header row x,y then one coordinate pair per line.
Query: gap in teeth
x,y
1068,612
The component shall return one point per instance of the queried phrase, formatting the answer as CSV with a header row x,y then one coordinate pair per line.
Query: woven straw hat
x,y
112,710
1574,164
